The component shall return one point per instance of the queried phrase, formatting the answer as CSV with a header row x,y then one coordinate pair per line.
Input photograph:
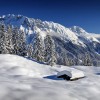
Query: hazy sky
x,y
84,13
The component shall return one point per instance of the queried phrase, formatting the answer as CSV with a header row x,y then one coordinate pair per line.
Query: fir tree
x,y
2,39
30,51
8,40
38,49
22,48
50,53
87,60
15,40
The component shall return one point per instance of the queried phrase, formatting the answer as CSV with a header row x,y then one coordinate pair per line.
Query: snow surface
x,y
22,79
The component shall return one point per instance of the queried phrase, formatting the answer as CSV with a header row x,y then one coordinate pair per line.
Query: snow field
x,y
22,79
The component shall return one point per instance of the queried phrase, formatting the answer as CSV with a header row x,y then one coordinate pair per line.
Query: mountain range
x,y
74,43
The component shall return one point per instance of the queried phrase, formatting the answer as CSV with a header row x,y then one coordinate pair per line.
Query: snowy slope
x,y
19,66
22,79
22,67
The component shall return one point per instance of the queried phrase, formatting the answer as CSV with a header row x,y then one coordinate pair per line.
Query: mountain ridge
x,y
29,21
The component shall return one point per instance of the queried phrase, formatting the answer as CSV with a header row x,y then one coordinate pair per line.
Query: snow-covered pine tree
x,y
30,51
79,60
65,59
8,40
22,48
50,53
15,40
38,49
19,42
87,60
2,38
71,62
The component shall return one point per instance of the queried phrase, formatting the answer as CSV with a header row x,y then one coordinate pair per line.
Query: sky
x,y
83,13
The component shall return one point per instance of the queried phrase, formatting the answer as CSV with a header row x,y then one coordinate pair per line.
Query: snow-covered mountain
x,y
70,42
91,37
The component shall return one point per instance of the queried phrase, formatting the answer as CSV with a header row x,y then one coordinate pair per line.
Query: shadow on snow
x,y
53,77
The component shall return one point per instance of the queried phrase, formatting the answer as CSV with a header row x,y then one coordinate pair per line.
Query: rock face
x,y
74,46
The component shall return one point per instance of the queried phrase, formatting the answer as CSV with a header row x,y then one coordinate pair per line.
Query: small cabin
x,y
72,74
